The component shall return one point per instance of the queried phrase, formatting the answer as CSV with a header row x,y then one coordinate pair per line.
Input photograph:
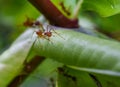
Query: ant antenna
x,y
53,29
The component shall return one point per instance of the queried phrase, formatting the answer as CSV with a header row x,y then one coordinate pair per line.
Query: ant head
x,y
37,23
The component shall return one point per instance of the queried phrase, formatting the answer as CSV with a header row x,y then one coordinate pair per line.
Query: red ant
x,y
42,32
31,23
46,33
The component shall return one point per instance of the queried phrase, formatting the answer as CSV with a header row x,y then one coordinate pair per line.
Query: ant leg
x,y
41,28
48,29
51,28
48,38
56,32
39,42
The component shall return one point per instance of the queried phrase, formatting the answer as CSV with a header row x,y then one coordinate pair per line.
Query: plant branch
x,y
53,15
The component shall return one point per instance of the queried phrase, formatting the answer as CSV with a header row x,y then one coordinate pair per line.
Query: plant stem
x,y
53,15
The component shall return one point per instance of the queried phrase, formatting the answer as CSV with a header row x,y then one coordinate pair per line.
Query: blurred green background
x,y
13,13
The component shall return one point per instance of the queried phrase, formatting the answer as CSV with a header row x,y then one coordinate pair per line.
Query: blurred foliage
x,y
13,13
5,31
107,25
104,8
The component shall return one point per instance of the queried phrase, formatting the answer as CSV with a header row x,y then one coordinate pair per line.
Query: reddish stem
x,y
55,17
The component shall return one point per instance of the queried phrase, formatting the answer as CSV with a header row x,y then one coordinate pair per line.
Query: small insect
x,y
46,32
29,22
61,70
40,34
43,31
32,23
65,73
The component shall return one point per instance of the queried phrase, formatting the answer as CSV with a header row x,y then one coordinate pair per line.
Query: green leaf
x,y
42,76
68,47
74,78
104,77
109,24
103,7
98,58
68,6
12,60
77,49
